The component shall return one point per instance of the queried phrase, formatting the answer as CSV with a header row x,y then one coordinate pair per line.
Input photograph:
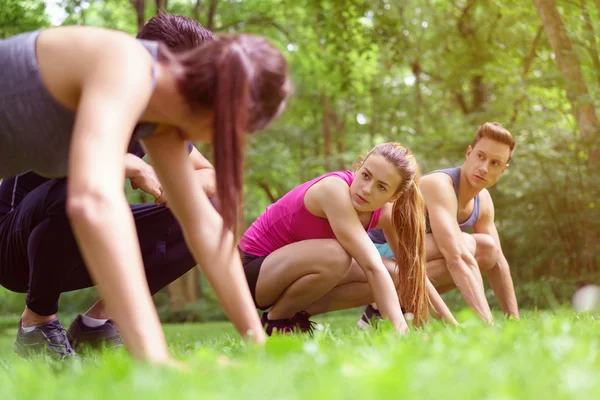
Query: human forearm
x,y
386,297
439,306
502,285
105,232
222,268
468,280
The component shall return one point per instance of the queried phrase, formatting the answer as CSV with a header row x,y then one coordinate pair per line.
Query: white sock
x,y
92,322
28,328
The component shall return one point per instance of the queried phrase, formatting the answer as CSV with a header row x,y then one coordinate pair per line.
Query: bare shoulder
x,y
82,37
436,187
329,191
74,57
486,204
436,181
330,186
385,218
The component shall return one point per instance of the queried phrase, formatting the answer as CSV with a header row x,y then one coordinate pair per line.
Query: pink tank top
x,y
288,221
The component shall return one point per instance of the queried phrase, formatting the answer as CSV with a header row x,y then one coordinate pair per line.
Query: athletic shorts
x,y
252,265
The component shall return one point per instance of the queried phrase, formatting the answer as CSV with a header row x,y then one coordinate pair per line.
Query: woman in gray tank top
x,y
70,99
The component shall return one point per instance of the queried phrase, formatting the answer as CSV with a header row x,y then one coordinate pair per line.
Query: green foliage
x,y
18,16
425,73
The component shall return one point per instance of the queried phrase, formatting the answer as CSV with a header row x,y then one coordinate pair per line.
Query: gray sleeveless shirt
x,y
35,129
454,174
378,237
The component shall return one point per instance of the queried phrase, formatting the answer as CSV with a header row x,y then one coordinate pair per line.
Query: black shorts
x,y
252,264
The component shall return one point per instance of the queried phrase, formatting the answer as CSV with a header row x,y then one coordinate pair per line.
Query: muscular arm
x,y
441,203
499,276
436,301
202,225
331,195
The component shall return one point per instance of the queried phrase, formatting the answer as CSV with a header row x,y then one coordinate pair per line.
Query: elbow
x,y
88,207
373,269
456,260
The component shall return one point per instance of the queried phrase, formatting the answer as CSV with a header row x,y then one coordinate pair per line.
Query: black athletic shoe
x,y
49,338
284,326
369,318
106,335
303,323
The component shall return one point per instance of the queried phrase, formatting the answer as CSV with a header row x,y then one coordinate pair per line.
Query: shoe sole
x,y
21,350
26,352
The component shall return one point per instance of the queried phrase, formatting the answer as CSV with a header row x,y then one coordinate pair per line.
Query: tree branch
x,y
461,23
265,186
494,26
527,61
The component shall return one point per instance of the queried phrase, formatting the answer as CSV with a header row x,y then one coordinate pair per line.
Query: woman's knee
x,y
337,262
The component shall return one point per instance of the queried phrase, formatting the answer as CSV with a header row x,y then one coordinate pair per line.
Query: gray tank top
x,y
454,174
378,237
35,129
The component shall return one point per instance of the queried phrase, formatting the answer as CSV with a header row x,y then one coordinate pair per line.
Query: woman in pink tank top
x,y
309,253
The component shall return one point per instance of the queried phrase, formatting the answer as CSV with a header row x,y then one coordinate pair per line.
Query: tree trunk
x,y
161,6
478,93
326,125
416,70
592,46
570,68
139,6
340,129
197,12
210,22
186,291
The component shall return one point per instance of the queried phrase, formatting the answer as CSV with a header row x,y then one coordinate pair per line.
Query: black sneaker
x,y
106,335
49,338
303,323
277,325
369,318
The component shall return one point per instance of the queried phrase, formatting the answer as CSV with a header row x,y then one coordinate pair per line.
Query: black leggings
x,y
39,254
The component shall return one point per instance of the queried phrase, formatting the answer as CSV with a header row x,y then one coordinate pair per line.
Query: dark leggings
x,y
39,255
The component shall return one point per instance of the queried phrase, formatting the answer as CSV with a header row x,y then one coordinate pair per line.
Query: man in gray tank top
x,y
462,240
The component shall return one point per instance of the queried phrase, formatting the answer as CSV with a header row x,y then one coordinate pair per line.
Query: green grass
x,y
549,355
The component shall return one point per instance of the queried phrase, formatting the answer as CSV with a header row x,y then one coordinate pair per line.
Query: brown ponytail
x,y
408,218
243,80
230,116
409,223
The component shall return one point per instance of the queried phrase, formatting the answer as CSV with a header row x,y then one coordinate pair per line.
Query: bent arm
x,y
442,209
202,225
435,300
96,205
205,173
333,198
